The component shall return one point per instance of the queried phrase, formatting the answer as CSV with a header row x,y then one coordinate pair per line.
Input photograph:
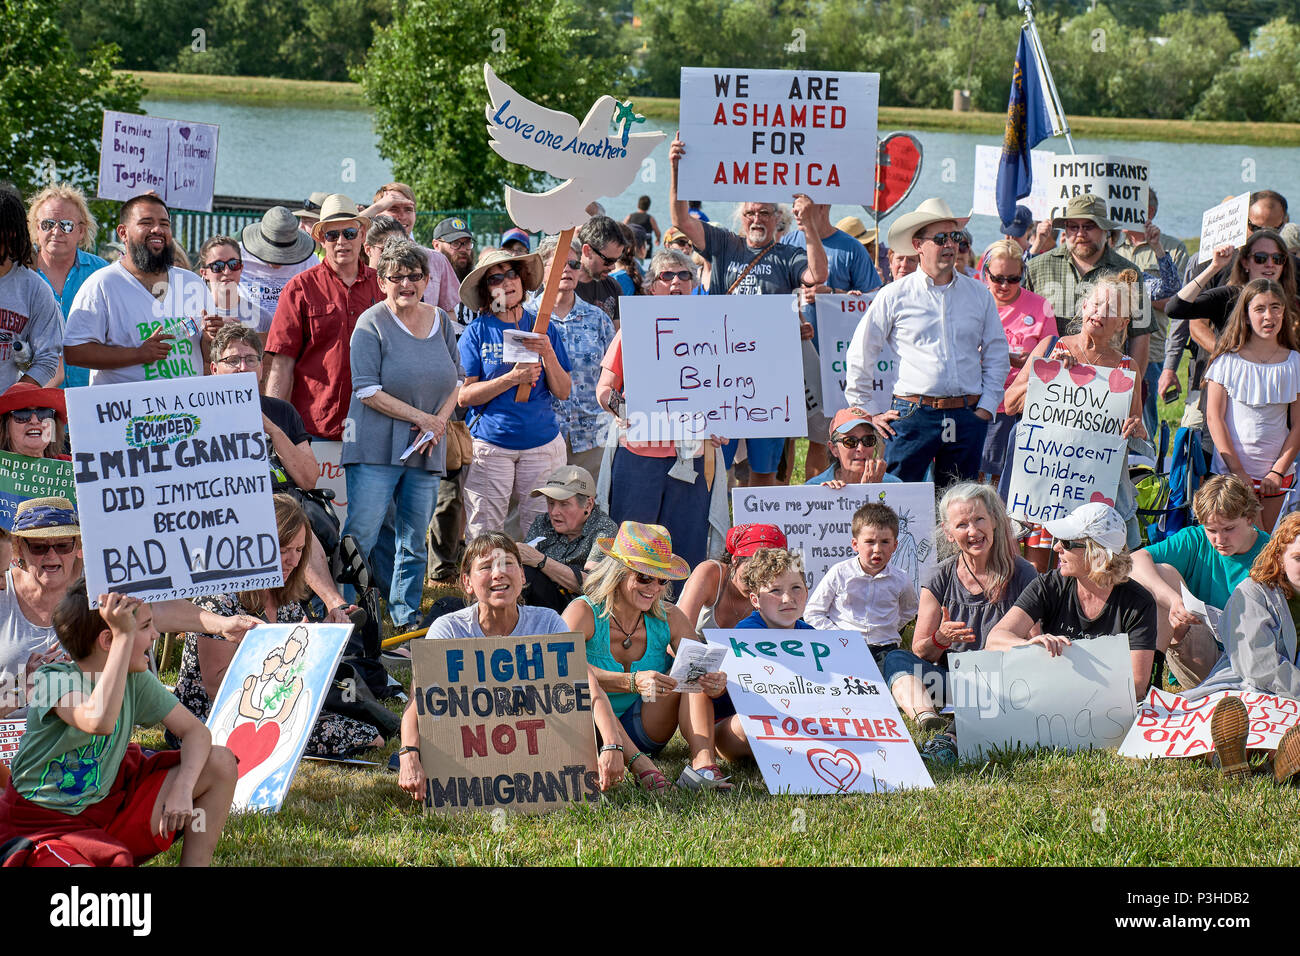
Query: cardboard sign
x,y
22,477
1068,450
706,365
838,317
1226,222
268,703
505,722
11,735
174,487
817,522
1120,180
817,712
329,454
174,158
1004,700
763,135
1171,726
984,201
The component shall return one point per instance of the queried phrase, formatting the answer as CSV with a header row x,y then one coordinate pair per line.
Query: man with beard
x,y
452,238
602,247
139,319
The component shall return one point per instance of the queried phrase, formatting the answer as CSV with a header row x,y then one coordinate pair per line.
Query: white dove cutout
x,y
592,163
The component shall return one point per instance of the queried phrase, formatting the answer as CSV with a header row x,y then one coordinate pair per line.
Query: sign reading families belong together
x,y
173,485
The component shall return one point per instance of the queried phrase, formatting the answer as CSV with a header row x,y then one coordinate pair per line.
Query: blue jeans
x,y
1149,417
399,565
952,438
933,677
640,489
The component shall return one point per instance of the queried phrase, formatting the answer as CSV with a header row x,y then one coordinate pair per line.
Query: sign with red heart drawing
x,y
817,713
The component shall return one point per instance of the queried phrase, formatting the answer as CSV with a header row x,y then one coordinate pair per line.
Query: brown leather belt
x,y
950,401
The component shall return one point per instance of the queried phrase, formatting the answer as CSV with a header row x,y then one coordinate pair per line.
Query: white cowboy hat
x,y
908,224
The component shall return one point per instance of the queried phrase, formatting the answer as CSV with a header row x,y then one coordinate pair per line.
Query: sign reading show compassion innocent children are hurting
x,y
173,486
173,158
1068,450
763,135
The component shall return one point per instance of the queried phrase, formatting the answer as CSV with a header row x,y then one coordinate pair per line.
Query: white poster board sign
x,y
176,159
696,366
817,712
1120,180
1024,697
1171,726
11,735
817,522
1068,450
838,317
984,202
1225,222
329,456
764,135
174,487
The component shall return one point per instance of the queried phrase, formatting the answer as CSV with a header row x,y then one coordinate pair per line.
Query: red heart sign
x,y
777,768
253,744
898,165
1098,496
770,670
844,641
785,702
1082,374
839,769
1119,382
1045,370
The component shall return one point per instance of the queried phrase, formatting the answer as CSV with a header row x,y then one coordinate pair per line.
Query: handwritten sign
x,y
329,455
1119,180
1068,450
174,158
762,135
1226,222
11,735
268,703
984,200
174,487
1081,700
22,478
817,712
505,722
712,365
1171,726
838,317
817,522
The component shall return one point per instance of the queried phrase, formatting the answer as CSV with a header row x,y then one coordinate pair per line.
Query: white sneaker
x,y
706,778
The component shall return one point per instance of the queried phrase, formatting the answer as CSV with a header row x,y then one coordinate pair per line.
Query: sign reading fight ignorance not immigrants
x,y
1121,181
505,722
696,366
1068,450
762,135
22,477
174,488
174,158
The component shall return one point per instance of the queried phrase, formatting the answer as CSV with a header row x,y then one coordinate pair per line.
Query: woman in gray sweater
x,y
405,375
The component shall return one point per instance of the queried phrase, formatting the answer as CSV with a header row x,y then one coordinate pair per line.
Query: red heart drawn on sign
x,y
1098,496
785,703
1119,380
846,709
1045,370
776,767
252,744
844,641
839,769
1082,374
898,164
770,670
789,750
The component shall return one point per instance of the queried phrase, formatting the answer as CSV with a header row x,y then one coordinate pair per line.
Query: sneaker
x,y
928,721
705,778
940,750
1229,726
1286,762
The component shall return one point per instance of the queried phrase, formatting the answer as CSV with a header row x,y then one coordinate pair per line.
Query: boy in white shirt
x,y
866,593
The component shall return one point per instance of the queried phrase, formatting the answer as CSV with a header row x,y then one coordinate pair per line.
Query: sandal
x,y
708,777
656,782
1229,726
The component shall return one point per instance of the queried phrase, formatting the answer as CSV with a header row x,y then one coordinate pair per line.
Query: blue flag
x,y
1028,124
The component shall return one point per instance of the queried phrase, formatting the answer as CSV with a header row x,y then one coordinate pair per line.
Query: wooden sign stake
x,y
550,291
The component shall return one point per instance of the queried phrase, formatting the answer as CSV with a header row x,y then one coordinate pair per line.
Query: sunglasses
x,y
849,442
1263,257
1071,545
943,238
240,361
65,225
42,548
650,579
412,278
573,264
683,244
500,277
219,266
350,233
666,277
608,260
1005,280
25,414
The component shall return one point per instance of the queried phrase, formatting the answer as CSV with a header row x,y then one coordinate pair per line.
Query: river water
x,y
286,153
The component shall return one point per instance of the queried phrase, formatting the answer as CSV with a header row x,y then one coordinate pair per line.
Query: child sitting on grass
x,y
81,792
866,593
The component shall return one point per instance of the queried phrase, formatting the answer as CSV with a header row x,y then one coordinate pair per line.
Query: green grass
x,y
251,90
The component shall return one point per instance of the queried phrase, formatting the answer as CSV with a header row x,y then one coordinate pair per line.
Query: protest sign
x,y
174,158
1226,222
505,722
984,202
763,135
23,477
329,454
1068,450
838,317
1119,180
1024,697
174,488
1171,726
268,703
11,735
817,712
817,522
706,365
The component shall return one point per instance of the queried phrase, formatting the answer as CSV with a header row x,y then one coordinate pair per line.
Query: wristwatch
x,y
409,750
542,563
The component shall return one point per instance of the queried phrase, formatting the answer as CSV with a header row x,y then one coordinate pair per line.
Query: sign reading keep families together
x,y
173,158
173,487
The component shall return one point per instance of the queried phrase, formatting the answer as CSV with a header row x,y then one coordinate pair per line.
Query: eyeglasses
x,y
683,244
963,243
1083,226
1071,545
850,442
650,579
65,225
1005,280
44,547
1263,257
465,243
573,264
495,280
943,238
350,233
412,278
25,414
755,213
608,260
666,277
235,362
219,266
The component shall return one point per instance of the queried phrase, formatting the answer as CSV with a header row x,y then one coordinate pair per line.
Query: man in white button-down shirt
x,y
952,355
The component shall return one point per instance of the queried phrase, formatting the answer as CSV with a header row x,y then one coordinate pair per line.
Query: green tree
x,y
1260,83
149,33
429,97
52,99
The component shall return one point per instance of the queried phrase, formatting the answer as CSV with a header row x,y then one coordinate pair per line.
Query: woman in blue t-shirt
x,y
516,444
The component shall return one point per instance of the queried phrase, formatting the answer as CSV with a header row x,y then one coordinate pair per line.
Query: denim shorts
x,y
764,454
933,677
631,721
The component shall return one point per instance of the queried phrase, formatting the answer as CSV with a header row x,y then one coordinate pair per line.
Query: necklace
x,y
971,571
627,638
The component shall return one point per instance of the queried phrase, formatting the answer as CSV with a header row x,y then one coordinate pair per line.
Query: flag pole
x,y
1027,7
